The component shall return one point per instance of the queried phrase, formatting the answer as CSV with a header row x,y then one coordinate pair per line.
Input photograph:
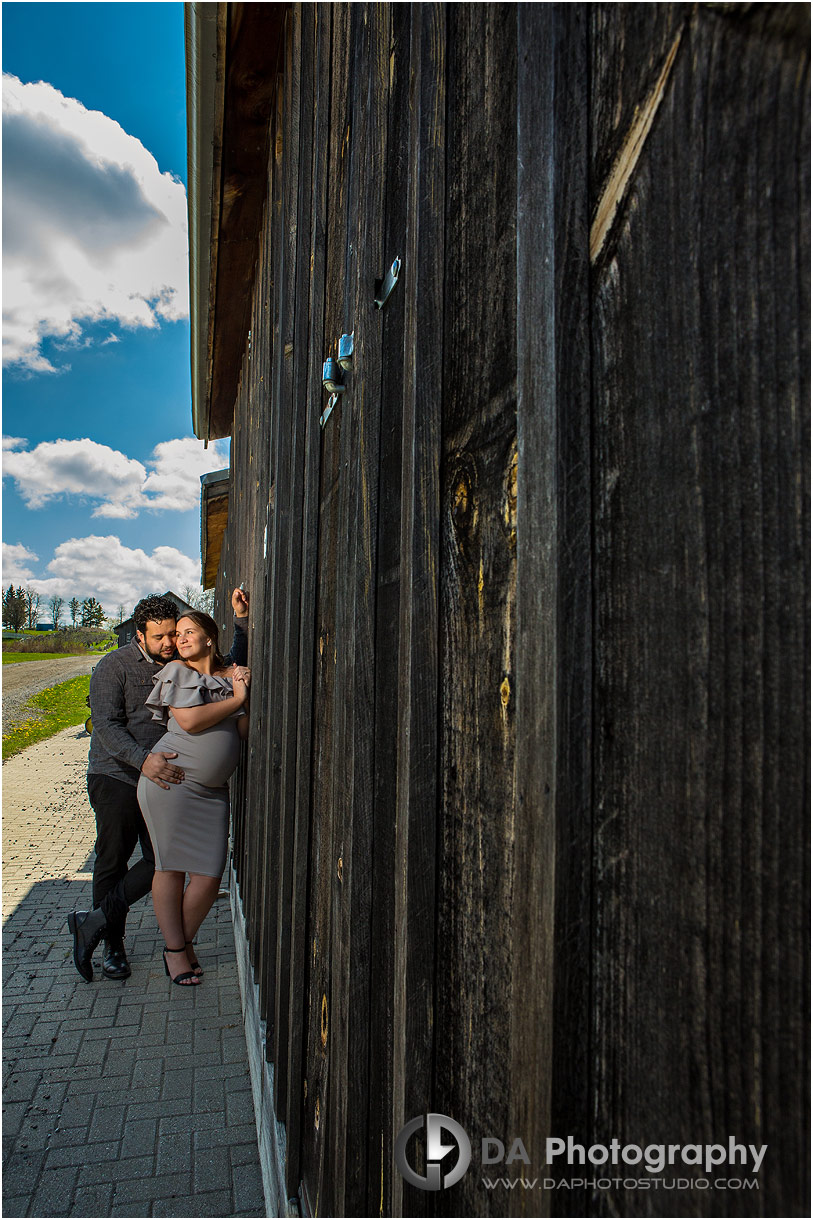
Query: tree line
x,y
21,609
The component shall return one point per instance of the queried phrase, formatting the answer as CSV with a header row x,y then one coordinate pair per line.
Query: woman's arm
x,y
196,719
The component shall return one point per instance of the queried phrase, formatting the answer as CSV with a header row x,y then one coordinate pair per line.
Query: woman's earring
x,y
208,643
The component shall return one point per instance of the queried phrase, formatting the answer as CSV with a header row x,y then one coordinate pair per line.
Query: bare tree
x,y
57,605
32,606
199,599
121,615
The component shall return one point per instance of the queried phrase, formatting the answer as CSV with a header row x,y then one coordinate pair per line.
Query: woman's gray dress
x,y
189,822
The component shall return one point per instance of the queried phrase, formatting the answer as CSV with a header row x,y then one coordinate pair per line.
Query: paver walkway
x,y
120,1098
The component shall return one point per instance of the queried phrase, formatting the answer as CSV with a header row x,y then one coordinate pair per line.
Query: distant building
x,y
126,630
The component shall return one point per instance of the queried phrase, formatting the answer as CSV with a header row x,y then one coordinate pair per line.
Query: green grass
x,y
55,709
12,658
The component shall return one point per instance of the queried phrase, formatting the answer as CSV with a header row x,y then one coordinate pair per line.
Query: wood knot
x,y
324,1020
461,505
464,500
339,868
505,692
510,507
316,1114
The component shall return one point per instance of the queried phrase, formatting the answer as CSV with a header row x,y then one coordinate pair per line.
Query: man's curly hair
x,y
153,609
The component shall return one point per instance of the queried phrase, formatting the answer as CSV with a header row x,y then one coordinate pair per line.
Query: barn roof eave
x,y
234,53
204,35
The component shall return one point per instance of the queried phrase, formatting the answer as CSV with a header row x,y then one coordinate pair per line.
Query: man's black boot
x,y
87,929
115,965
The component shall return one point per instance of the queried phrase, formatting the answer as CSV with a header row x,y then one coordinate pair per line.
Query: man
x,y
121,749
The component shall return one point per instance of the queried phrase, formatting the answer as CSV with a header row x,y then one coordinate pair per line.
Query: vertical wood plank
x,y
316,44
384,241
266,844
477,586
416,861
552,864
291,309
358,743
317,1164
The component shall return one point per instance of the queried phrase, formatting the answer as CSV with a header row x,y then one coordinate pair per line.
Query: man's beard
x,y
159,656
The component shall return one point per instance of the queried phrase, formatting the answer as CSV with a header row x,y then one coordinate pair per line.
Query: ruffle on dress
x,y
176,685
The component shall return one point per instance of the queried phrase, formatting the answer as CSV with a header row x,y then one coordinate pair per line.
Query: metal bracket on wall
x,y
325,416
333,381
384,287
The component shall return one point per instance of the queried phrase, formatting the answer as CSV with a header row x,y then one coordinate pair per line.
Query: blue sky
x,y
101,476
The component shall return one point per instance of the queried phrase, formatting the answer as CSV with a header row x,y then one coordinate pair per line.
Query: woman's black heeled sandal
x,y
183,980
194,963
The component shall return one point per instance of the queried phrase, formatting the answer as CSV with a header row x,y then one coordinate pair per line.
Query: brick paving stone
x,y
13,1115
74,1154
180,1083
213,1203
220,1135
123,1169
212,1170
247,1180
159,1186
16,1207
139,1138
239,1107
174,1150
122,1098
93,1200
108,1123
54,1193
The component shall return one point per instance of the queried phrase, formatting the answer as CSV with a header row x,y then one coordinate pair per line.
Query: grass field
x,y
53,709
13,658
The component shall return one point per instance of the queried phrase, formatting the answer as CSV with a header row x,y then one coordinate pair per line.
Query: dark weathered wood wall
x,y
520,831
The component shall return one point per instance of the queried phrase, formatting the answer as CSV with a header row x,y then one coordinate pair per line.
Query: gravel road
x,y
23,680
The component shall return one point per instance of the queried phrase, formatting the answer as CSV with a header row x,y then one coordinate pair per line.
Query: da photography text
x,y
653,1158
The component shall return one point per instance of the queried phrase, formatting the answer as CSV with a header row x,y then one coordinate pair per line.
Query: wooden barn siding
x,y
701,847
520,831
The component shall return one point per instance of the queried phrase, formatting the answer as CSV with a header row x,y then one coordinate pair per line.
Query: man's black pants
x,y
119,826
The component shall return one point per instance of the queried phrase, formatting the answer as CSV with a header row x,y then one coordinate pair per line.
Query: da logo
x,y
435,1152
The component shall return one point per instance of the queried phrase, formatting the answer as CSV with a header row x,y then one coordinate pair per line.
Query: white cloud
x,y
92,230
102,567
95,472
177,466
17,560
13,442
80,468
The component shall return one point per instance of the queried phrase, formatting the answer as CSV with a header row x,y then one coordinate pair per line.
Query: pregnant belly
x,y
207,758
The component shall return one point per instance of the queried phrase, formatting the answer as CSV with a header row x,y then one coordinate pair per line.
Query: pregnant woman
x,y
203,706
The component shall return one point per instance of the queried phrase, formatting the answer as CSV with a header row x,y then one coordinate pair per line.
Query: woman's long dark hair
x,y
201,619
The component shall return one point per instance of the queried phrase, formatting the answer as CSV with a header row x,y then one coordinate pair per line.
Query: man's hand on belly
x,y
157,768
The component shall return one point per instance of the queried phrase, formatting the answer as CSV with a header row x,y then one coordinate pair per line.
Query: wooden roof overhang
x,y
214,517
233,54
